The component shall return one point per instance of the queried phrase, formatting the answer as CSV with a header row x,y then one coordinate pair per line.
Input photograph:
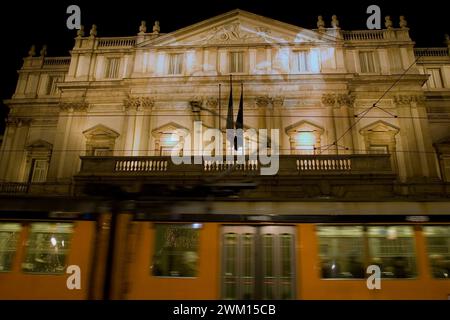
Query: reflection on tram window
x,y
438,245
176,250
9,234
47,248
341,251
392,249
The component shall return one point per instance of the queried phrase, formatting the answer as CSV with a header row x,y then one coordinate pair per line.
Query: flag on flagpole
x,y
240,120
230,117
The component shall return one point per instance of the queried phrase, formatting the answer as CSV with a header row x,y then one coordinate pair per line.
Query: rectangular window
x,y
48,247
9,236
236,62
346,251
341,251
175,63
378,149
112,68
39,170
51,85
305,142
392,247
102,152
168,142
438,247
176,250
302,61
435,78
367,62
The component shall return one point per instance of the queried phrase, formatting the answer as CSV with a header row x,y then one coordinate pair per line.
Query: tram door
x,y
258,262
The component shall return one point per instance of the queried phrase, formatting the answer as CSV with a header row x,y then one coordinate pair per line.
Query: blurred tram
x,y
137,256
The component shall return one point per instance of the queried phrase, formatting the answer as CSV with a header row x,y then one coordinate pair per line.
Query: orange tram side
x,y
142,256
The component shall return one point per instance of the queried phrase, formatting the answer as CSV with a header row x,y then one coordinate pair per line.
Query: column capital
x,y
138,103
80,106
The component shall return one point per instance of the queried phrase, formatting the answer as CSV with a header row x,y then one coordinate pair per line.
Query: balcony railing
x,y
47,188
431,52
287,164
57,61
126,42
376,35
13,187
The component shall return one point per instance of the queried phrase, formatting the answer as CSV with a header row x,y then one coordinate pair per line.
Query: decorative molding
x,y
79,106
338,99
139,103
233,33
277,101
18,121
402,99
212,102
262,101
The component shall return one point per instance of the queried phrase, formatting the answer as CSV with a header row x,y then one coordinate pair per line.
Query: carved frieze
x,y
402,99
338,99
79,106
138,103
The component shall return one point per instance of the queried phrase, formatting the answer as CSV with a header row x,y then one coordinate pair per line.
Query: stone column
x,y
408,137
345,103
423,138
263,104
14,158
135,136
277,120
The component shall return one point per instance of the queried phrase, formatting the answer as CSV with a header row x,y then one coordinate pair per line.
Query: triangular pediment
x,y
100,131
238,27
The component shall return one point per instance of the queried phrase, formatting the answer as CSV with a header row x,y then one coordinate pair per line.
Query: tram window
x,y
438,247
176,250
9,234
341,251
47,248
392,249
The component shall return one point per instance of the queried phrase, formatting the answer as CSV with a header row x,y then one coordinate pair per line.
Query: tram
x,y
136,256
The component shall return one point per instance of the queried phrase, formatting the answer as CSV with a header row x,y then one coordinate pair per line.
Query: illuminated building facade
x,y
363,119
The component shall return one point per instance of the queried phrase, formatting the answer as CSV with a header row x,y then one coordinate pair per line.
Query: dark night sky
x,y
44,22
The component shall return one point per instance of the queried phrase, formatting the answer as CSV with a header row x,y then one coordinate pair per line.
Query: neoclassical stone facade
x,y
330,92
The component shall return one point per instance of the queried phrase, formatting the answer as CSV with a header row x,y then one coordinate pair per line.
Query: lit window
x,y
176,250
302,61
9,235
438,247
39,170
175,63
341,251
47,247
435,78
112,68
305,142
168,142
392,248
237,62
367,62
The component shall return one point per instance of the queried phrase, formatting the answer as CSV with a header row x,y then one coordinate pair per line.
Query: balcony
x,y
298,176
289,165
